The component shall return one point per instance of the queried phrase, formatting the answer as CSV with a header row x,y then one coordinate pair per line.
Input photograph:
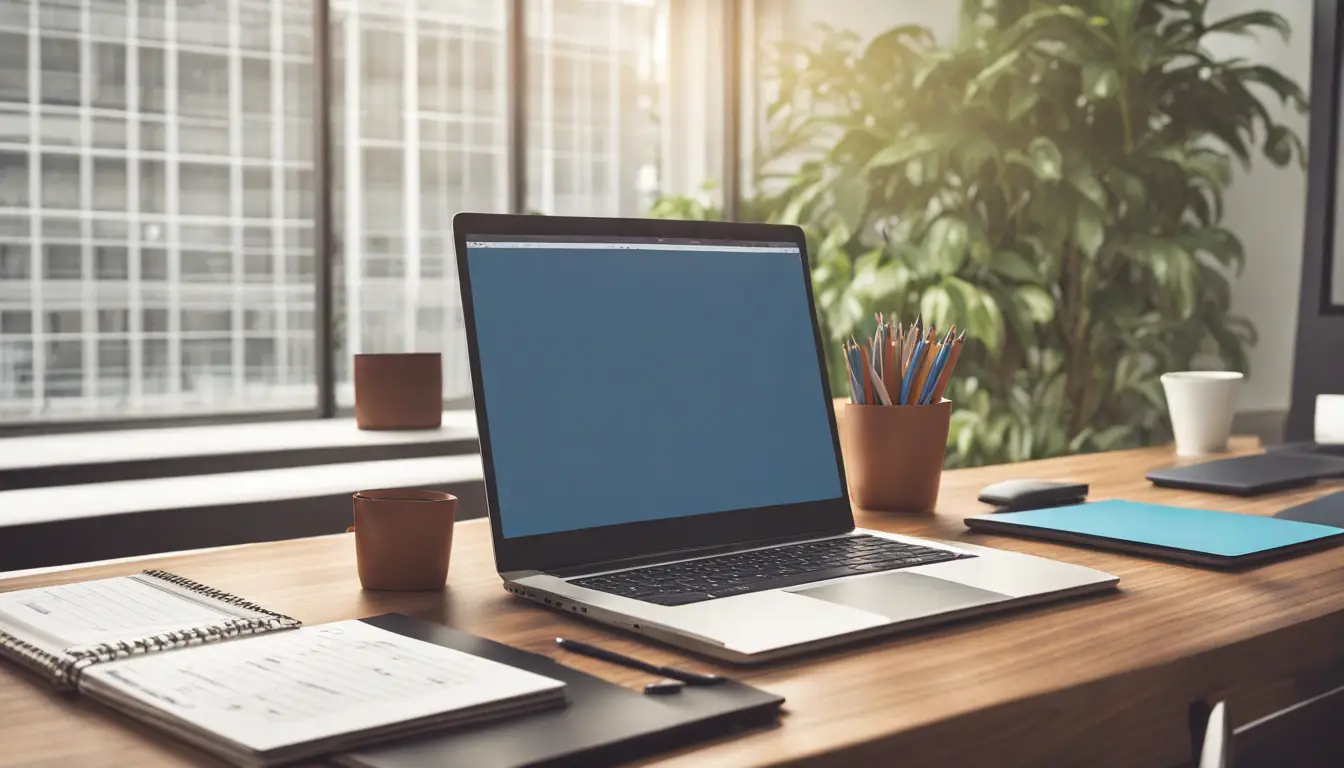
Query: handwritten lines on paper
x,y
302,675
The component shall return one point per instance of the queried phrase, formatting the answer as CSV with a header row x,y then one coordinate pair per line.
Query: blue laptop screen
x,y
626,382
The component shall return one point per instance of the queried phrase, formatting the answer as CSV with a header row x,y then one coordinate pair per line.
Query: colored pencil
x,y
911,334
946,377
855,390
891,374
931,349
882,397
867,380
858,372
916,359
935,373
900,354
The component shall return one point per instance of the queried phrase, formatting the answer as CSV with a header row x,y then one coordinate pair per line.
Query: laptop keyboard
x,y
695,581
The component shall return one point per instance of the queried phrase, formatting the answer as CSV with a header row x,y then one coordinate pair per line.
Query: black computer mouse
x,y
1018,495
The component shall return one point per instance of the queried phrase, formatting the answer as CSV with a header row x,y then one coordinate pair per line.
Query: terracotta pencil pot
x,y
894,454
403,539
399,391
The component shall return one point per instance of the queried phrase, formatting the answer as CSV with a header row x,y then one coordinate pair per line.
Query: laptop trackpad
x,y
901,596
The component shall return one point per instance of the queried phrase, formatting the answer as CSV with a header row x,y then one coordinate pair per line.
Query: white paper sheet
x,y
93,612
313,683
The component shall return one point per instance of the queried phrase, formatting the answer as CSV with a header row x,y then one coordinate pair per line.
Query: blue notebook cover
x,y
1223,535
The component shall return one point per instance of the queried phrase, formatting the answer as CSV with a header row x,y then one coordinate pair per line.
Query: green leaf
x,y
878,286
849,198
1287,90
902,151
1222,246
1023,99
1088,186
826,299
1100,80
1040,306
936,307
855,147
915,256
899,42
974,152
1246,22
1175,270
794,210
1045,159
948,243
1014,266
1088,230
1121,12
989,75
868,261
1186,272
846,314
1212,166
1128,187
961,293
984,321
1279,145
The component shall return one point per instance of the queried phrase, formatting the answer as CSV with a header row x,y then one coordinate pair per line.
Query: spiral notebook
x,y
60,631
148,647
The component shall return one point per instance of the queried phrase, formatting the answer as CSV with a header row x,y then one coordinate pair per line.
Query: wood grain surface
x,y
1095,681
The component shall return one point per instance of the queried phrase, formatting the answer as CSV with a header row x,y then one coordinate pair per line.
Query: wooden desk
x,y
1098,681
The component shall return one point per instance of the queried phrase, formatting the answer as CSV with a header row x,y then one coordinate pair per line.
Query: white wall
x,y
866,17
1267,209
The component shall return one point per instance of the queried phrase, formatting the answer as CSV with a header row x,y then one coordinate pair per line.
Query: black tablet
x,y
1250,475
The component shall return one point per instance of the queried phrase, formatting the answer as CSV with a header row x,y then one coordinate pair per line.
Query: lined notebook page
x,y
107,609
295,687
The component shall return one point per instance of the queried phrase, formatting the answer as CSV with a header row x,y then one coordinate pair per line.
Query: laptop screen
x,y
636,380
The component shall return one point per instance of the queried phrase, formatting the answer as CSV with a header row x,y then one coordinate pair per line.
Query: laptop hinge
x,y
682,554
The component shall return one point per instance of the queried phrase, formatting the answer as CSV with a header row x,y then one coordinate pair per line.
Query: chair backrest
x,y
1217,749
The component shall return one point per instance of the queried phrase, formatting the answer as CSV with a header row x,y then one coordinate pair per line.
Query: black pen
x,y
686,676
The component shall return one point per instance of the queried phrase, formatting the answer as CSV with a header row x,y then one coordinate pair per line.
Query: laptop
x,y
660,445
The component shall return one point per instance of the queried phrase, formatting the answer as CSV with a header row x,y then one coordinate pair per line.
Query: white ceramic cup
x,y
1201,404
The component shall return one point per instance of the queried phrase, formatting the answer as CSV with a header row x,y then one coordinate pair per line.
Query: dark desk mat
x,y
603,723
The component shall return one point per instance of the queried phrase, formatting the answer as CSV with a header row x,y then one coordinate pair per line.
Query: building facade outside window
x,y
157,195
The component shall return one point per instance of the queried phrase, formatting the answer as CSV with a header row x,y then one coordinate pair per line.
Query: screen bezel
x,y
1320,322
642,539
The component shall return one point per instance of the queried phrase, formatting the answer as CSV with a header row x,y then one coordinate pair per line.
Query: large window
x,y
592,105
159,227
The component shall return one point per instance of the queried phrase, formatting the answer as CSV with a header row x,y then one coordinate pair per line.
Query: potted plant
x,y
1052,181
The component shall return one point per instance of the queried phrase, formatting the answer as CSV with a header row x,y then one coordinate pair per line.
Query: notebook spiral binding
x,y
58,668
65,670
220,595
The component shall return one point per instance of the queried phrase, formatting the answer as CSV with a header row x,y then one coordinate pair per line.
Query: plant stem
x,y
1124,115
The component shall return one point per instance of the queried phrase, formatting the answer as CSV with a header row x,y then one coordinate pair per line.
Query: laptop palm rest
x,y
902,596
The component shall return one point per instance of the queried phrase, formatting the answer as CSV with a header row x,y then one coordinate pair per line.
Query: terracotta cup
x,y
399,391
894,454
403,539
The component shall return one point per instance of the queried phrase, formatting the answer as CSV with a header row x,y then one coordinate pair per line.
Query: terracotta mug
x,y
403,538
399,391
894,454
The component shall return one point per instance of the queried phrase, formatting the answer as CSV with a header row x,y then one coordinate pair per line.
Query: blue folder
x,y
1192,535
